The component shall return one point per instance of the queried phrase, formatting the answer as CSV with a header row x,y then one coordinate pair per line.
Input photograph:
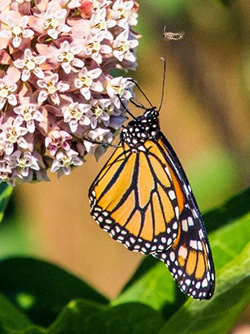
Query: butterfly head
x,y
141,128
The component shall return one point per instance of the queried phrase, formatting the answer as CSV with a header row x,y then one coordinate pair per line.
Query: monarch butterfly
x,y
143,199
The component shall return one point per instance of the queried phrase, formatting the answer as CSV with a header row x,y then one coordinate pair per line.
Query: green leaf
x,y
40,289
229,228
156,288
11,317
87,317
83,316
5,193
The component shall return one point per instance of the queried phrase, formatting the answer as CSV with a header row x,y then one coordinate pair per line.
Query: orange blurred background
x,y
205,116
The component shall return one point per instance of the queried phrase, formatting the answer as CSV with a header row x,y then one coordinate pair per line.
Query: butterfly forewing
x,y
143,199
133,198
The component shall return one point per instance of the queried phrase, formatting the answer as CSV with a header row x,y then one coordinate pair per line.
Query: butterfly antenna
x,y
141,91
163,82
125,108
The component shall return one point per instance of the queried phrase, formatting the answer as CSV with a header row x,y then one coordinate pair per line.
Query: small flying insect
x,y
173,36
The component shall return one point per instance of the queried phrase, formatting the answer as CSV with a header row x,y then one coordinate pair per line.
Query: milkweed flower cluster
x,y
57,98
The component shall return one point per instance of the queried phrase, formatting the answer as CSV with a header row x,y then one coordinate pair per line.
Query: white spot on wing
x,y
168,172
141,148
190,221
175,225
177,212
193,244
183,252
204,283
198,285
200,246
184,225
171,194
172,256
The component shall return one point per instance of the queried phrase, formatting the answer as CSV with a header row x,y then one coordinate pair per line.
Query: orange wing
x,y
135,200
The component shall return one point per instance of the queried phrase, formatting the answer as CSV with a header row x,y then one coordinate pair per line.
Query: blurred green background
x,y
205,116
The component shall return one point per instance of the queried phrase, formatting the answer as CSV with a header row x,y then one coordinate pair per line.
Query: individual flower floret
x,y
65,161
13,133
85,82
76,114
17,30
27,108
122,12
122,46
22,162
6,93
50,87
66,56
118,87
93,48
98,135
99,24
29,115
30,64
53,22
100,112
57,139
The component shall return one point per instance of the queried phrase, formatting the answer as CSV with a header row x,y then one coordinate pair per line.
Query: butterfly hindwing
x,y
189,259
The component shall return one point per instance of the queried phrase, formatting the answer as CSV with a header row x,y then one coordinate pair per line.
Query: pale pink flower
x,y
98,135
13,133
26,166
65,161
66,56
50,87
29,114
76,114
17,30
122,11
99,24
4,165
53,21
23,162
30,64
122,47
57,139
100,109
118,86
85,82
93,48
